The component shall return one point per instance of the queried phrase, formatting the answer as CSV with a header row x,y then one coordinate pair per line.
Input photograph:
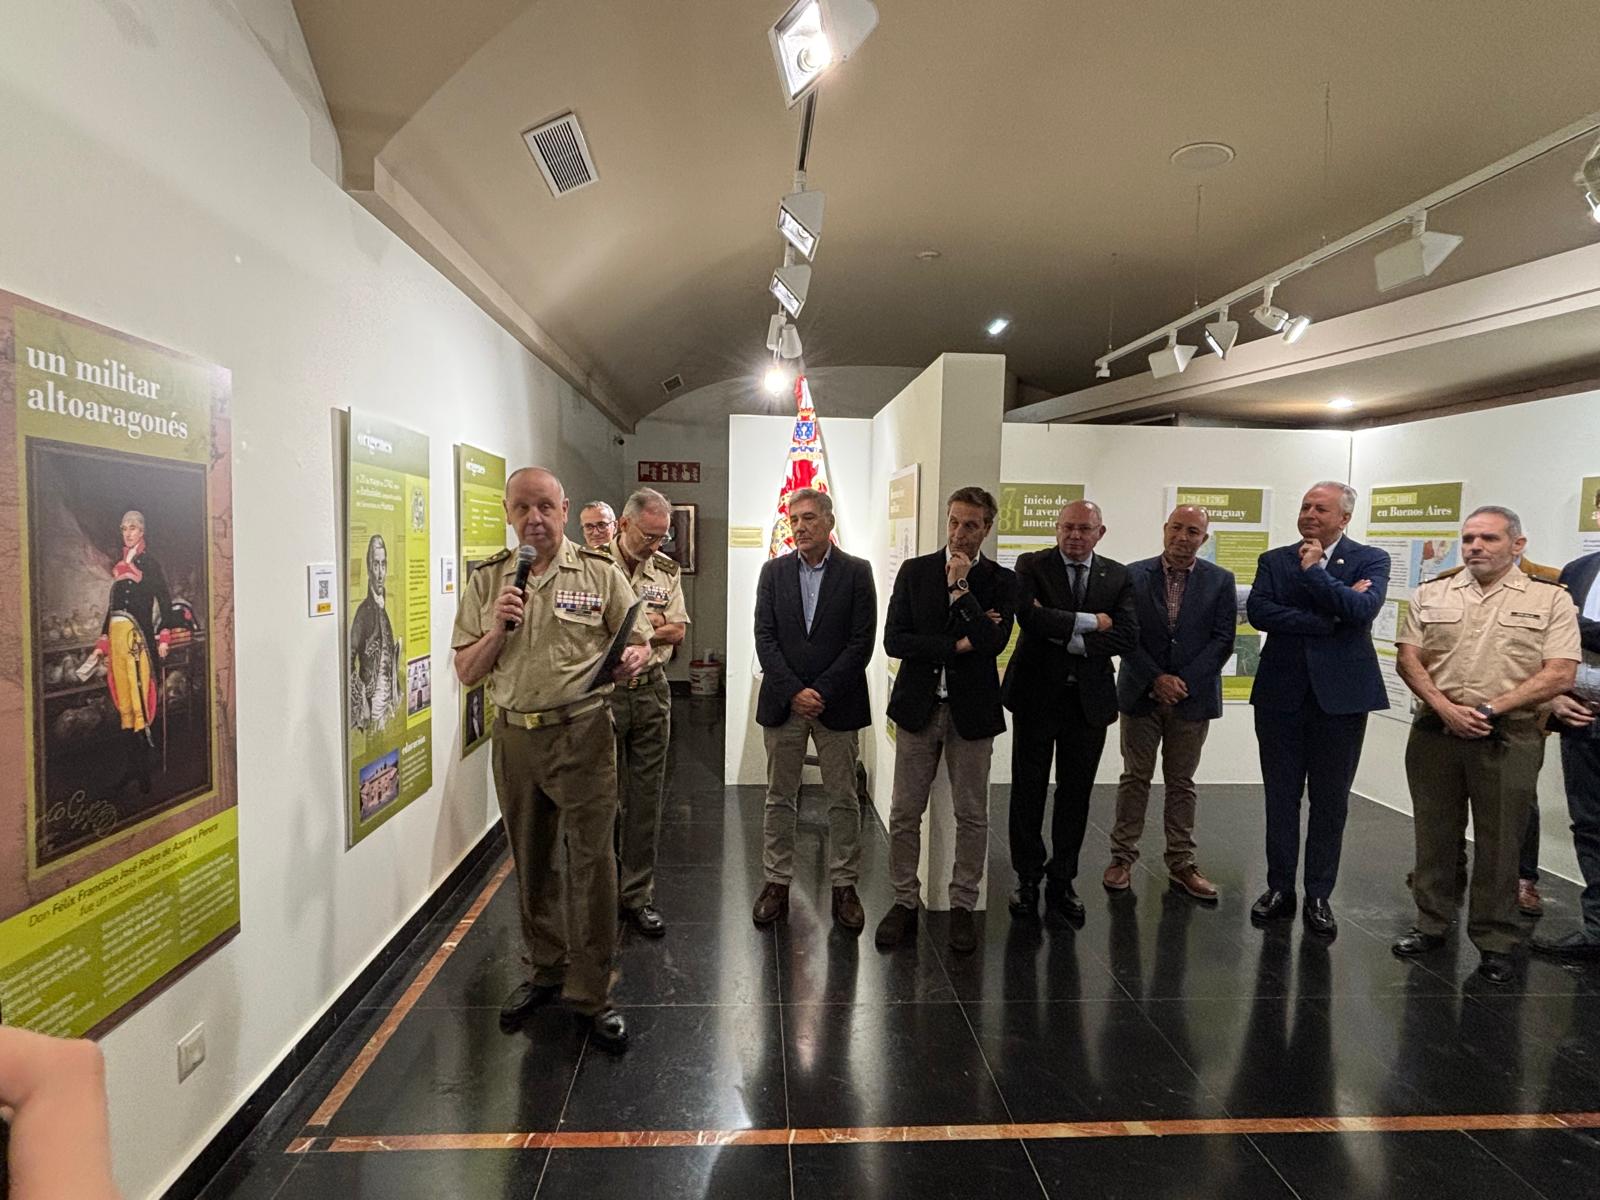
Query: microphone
x,y
526,557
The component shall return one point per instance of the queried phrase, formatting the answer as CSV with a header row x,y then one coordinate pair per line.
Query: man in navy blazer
x,y
1574,716
816,622
1317,681
1169,690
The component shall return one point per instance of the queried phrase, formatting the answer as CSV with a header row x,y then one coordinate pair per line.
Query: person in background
x,y
1169,690
599,525
60,1137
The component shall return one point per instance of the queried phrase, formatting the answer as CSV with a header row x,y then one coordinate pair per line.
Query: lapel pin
x,y
1338,562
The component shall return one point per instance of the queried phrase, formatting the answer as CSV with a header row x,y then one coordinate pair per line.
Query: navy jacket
x,y
1578,576
1319,631
833,657
1195,651
922,629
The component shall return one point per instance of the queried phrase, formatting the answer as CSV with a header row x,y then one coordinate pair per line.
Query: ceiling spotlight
x,y
1295,329
1221,334
776,380
1269,314
1172,360
997,326
1415,258
789,343
1341,402
800,221
790,285
1102,370
775,329
1588,181
1592,195
814,35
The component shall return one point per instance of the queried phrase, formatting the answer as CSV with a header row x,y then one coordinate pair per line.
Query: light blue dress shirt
x,y
811,584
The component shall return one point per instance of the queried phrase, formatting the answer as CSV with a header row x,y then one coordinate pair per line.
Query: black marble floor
x,y
1157,1010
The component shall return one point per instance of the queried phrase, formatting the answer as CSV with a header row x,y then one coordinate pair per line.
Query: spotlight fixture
x,y
789,343
814,35
1102,371
775,329
1415,258
1268,314
789,285
1172,360
776,380
997,326
800,221
1588,181
1341,403
1222,333
1295,329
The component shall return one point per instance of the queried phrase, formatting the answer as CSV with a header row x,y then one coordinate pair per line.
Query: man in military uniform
x,y
599,525
1485,651
374,650
555,767
641,710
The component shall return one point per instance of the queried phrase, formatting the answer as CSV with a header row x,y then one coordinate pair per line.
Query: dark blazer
x,y
833,657
1195,651
1578,576
922,630
1319,631
1041,674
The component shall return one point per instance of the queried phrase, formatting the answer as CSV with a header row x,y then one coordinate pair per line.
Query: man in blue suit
x,y
1169,690
1317,681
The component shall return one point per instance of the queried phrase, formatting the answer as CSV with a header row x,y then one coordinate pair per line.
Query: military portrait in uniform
x,y
117,570
374,649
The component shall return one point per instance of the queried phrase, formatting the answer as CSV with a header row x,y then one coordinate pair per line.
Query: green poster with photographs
x,y
389,667
480,490
119,858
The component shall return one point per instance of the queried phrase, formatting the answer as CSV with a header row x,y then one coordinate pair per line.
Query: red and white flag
x,y
805,467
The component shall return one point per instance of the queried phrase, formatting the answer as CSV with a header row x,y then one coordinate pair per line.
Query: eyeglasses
x,y
596,526
653,539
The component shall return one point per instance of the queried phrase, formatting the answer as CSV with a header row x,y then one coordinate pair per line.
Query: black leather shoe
x,y
772,903
1415,942
647,920
1273,906
609,1031
1318,916
1497,968
1063,902
1024,901
963,931
526,997
899,923
1574,947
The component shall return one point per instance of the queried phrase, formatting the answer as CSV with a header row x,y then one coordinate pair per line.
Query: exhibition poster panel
x,y
481,486
1241,524
119,865
1027,522
1419,525
389,672
1588,512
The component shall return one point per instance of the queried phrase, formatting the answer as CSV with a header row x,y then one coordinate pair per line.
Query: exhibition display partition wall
x,y
172,193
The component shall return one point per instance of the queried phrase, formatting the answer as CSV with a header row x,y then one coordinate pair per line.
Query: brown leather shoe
x,y
772,903
1529,903
1188,879
1118,877
847,908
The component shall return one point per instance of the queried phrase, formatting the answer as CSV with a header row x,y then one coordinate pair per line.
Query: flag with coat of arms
x,y
805,467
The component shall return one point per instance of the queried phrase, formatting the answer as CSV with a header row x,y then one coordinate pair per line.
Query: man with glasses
x,y
599,525
641,709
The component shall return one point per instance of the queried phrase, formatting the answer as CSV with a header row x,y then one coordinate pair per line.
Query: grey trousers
x,y
916,763
786,758
1180,743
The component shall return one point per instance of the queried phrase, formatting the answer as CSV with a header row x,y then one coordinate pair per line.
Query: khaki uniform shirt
x,y
659,583
1477,644
571,613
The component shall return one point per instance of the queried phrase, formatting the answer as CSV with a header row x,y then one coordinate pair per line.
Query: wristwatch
x,y
1485,710
959,585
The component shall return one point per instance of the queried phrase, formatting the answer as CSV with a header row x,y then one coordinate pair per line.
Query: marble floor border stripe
x,y
1015,1131
353,1074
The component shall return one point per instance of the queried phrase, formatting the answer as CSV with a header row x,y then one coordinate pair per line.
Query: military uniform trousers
x,y
643,719
1497,778
558,794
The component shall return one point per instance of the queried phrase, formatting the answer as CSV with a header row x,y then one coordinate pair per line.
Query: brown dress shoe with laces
x,y
1118,877
847,908
1529,902
772,903
1188,879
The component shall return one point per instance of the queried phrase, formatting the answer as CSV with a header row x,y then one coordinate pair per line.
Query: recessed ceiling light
x,y
1202,156
1341,402
997,326
928,255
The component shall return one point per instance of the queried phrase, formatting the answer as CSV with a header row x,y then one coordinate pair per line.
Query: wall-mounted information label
x,y
321,596
745,537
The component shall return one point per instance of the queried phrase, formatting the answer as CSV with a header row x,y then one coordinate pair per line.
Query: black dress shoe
x,y
1574,947
609,1031
1024,901
1415,942
1497,968
1063,902
647,920
1318,915
898,923
526,997
963,931
1273,906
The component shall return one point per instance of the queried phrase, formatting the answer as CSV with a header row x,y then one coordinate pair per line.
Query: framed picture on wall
x,y
680,544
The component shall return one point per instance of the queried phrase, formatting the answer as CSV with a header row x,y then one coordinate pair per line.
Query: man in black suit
x,y
816,620
949,618
1076,610
1574,715
1170,690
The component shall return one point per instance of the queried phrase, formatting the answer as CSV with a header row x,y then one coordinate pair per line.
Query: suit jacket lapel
x,y
1585,581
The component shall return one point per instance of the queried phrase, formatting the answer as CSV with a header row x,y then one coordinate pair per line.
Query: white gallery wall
x,y
160,180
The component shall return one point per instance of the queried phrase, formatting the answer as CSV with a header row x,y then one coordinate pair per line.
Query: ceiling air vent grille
x,y
672,386
562,154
